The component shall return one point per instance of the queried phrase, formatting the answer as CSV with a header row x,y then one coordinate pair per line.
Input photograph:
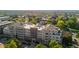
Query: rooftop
x,y
41,27
28,26
5,22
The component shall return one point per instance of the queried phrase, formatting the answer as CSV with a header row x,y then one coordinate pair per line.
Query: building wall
x,y
47,35
44,34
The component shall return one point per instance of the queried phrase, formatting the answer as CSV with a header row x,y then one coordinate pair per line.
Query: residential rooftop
x,y
40,27
5,22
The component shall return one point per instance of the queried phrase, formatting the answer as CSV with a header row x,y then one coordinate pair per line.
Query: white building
x,y
44,32
4,18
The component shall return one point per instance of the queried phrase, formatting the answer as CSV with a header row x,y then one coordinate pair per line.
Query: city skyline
x,y
21,12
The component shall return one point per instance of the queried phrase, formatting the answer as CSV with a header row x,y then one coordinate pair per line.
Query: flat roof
x,y
41,27
5,22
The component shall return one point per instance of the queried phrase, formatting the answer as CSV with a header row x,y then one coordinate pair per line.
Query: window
x,y
58,34
59,31
57,37
53,33
50,36
46,36
46,33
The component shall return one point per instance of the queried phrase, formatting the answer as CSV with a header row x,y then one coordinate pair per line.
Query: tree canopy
x,y
12,43
67,38
40,46
71,22
54,44
77,36
61,24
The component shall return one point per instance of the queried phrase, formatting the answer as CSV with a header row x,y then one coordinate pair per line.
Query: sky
x,y
39,4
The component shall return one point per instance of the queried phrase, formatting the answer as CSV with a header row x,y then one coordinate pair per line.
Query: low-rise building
x,y
4,18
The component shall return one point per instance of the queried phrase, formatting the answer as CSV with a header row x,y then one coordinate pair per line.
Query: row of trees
x,y
52,44
23,19
66,41
60,21
69,22
12,43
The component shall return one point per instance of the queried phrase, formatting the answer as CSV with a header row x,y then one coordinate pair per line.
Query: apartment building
x,y
38,31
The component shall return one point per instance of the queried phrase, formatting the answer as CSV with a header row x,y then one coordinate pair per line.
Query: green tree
x,y
77,36
40,46
34,21
49,21
12,43
61,24
67,39
59,18
54,44
71,22
29,19
23,20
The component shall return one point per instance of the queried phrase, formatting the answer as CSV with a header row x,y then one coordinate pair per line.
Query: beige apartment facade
x,y
28,30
